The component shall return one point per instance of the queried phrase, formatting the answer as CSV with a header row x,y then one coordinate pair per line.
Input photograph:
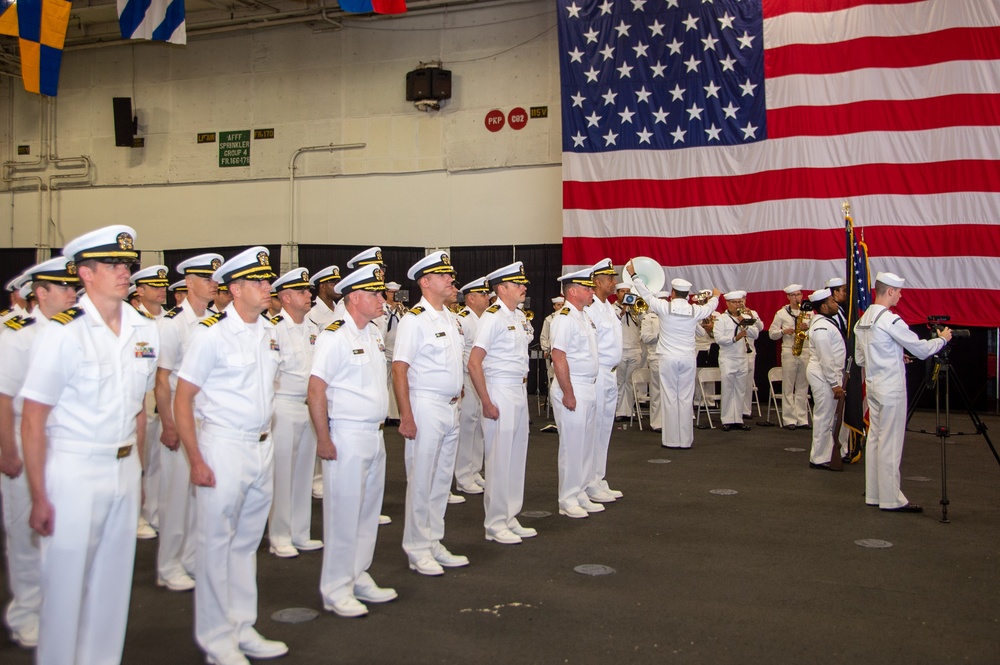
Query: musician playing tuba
x,y
788,321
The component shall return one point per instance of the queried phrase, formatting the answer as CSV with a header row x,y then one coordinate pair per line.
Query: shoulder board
x,y
416,310
335,326
464,313
276,319
174,312
146,314
493,309
564,311
210,321
16,323
5,312
68,315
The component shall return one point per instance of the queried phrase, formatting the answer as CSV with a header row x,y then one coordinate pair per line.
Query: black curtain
x,y
171,257
14,261
398,259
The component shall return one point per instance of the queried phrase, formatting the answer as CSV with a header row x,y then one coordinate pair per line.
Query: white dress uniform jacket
x,y
825,372
734,363
321,315
631,358
794,384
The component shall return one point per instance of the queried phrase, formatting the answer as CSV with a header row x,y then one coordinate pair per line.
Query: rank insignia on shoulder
x,y
68,315
144,350
210,321
5,312
276,319
146,314
417,310
493,309
464,313
174,312
564,311
335,326
16,323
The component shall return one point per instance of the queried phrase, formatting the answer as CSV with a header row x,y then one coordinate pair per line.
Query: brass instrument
x,y
640,306
528,314
701,297
800,335
746,316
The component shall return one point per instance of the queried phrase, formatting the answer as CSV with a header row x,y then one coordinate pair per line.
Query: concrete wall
x,y
431,179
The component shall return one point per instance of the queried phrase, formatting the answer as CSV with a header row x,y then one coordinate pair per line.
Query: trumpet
x,y
746,316
529,315
701,297
640,306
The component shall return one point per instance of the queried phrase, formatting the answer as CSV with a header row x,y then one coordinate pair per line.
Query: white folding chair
x,y
640,388
774,381
755,399
710,382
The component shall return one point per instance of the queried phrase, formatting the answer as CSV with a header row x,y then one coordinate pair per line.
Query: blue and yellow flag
x,y
40,26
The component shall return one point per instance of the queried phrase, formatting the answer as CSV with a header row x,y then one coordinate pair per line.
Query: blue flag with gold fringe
x,y
40,26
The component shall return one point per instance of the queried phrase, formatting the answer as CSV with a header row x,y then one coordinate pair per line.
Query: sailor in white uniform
x,y
825,373
735,338
469,459
794,385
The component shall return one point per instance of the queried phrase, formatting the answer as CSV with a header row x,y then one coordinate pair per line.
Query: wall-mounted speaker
x,y
428,83
126,124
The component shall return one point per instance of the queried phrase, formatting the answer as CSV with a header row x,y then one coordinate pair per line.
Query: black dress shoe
x,y
620,419
726,428
824,467
789,426
908,508
745,428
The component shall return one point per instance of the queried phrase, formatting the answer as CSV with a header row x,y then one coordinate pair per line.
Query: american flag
x,y
859,298
720,137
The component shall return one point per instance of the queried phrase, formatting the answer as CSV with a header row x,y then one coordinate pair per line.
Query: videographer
x,y
881,338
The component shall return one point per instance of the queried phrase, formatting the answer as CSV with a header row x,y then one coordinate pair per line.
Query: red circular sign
x,y
517,118
494,120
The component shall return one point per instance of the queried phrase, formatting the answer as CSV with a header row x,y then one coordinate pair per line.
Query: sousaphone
x,y
649,271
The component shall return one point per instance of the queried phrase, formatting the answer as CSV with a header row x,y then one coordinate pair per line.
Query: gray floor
x,y
770,574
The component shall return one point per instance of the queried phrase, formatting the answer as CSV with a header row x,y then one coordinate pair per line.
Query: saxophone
x,y
800,335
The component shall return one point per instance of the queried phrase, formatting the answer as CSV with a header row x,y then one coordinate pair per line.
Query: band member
x,y
469,460
83,409
630,322
735,336
678,321
881,338
348,399
574,399
825,372
790,321
649,331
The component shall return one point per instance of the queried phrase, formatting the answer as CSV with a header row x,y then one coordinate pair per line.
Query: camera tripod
x,y
942,365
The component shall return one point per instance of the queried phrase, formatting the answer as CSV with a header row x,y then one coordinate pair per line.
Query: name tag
x,y
359,352
511,328
440,334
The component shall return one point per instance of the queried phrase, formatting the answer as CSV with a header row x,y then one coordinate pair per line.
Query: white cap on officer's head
x,y
792,288
25,290
253,264
55,271
371,256
155,276
735,295
890,279
327,274
393,286
178,287
680,285
557,300
820,295
835,283
203,264
622,286
131,292
296,278
111,244
12,284
513,272
366,278
604,267
580,277
435,263
478,285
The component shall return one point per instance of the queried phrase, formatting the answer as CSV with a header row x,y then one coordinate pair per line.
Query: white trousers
x,y
506,443
824,412
734,385
625,395
231,520
393,404
87,562
677,379
294,461
469,458
655,406
576,440
607,396
430,464
794,388
151,474
23,554
175,553
884,448
353,485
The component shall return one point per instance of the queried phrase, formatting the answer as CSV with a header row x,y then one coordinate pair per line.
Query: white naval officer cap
x,y
296,278
25,291
890,279
580,277
820,295
203,264
478,285
366,278
132,291
604,267
178,287
435,263
371,256
55,271
735,295
12,284
253,264
327,274
679,284
835,282
110,244
155,276
513,272
792,288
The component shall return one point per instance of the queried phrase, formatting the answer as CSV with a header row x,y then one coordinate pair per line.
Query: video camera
x,y
936,325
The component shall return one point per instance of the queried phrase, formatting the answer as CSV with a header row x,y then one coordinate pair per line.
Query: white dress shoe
x,y
181,582
447,559
615,493
504,537
284,551
144,531
470,489
373,593
256,646
384,519
233,658
309,545
455,498
576,512
427,566
26,638
603,496
479,480
524,531
591,507
348,606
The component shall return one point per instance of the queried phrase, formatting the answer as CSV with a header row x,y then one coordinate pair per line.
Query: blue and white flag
x,y
162,20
